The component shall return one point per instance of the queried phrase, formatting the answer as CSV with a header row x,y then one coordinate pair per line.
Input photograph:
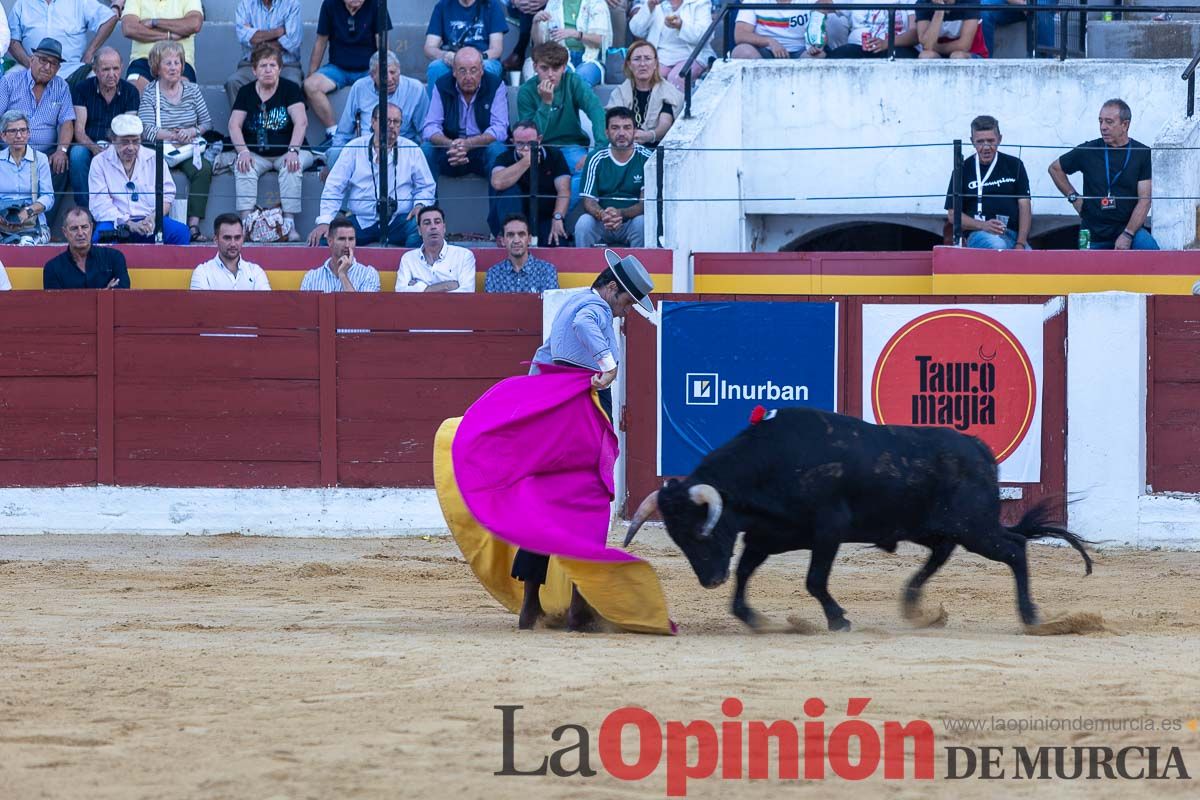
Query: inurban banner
x,y
974,368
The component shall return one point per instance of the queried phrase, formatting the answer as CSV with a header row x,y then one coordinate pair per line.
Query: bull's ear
x,y
671,483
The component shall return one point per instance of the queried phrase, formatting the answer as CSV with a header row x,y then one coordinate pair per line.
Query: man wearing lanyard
x,y
996,210
1115,203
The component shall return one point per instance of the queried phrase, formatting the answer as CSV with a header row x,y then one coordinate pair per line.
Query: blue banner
x,y
717,361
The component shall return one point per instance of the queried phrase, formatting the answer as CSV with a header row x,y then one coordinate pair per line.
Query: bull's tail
x,y
1036,524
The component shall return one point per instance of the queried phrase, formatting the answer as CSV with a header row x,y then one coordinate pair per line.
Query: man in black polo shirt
x,y
97,100
347,28
511,185
996,210
83,265
1115,203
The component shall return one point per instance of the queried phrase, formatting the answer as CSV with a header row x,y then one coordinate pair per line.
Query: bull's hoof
x,y
582,620
750,617
837,625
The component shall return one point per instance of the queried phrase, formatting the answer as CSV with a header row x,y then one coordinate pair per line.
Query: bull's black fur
x,y
812,480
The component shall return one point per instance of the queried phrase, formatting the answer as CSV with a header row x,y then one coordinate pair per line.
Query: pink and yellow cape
x,y
530,465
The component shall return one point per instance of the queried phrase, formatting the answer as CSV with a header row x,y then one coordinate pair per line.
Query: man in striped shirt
x,y
613,186
341,272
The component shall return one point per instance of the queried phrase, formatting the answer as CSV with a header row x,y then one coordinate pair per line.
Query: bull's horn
x,y
647,509
704,495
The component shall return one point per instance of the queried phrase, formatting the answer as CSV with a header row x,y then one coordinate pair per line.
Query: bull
x,y
803,479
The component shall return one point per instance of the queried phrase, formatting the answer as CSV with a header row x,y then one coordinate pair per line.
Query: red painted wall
x,y
1173,394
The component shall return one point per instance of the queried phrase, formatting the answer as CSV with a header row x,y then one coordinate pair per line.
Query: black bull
x,y
810,480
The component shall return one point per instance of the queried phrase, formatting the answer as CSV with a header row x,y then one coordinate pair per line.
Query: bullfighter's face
x,y
709,556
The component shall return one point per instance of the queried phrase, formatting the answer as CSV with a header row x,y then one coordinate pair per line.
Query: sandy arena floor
x,y
233,667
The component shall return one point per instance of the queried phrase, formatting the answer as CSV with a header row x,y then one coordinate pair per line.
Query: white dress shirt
x,y
5,284
454,263
213,274
353,181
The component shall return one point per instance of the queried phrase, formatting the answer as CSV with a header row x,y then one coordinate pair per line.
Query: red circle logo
x,y
958,369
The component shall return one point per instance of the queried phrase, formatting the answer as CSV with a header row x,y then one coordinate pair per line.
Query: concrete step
x,y
1143,39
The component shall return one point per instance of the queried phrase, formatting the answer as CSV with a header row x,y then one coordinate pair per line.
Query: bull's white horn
x,y
704,495
647,509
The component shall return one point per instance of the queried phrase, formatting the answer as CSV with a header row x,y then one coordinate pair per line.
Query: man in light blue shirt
x,y
68,21
258,21
353,183
26,189
341,272
403,91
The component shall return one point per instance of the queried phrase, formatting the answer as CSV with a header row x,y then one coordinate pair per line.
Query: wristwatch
x,y
1072,197
62,148
293,149
152,22
558,217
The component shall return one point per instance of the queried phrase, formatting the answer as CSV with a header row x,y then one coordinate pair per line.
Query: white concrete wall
x,y
1044,107
1177,174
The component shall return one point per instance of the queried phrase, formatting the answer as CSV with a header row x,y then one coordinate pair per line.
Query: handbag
x,y
176,154
267,225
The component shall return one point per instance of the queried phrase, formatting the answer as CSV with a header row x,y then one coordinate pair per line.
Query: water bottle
x,y
1085,239
1107,16
815,34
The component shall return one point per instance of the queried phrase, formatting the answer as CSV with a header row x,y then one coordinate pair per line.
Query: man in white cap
x,y
121,183
582,336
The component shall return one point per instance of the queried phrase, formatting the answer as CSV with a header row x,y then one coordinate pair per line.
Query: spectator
x,y
613,188
1008,15
26,189
553,100
341,272
5,283
45,100
952,33
408,94
455,24
141,23
67,22
121,182
1115,204
435,266
523,11
82,266
467,123
511,186
266,22
583,27
272,111
410,186
653,100
520,272
174,112
996,208
773,34
227,270
675,27
5,39
868,30
348,28
97,100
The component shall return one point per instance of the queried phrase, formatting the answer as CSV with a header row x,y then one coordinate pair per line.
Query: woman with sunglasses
x,y
653,101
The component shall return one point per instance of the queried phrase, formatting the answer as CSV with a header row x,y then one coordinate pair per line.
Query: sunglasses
x,y
133,196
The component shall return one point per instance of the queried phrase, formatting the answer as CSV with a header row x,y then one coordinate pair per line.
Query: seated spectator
x,y
948,33
511,185
455,24
347,28
26,190
1008,15
523,11
258,22
613,188
97,100
267,128
174,112
121,182
520,272
408,94
5,283
653,100
868,31
675,27
583,28
553,100
467,123
773,34
341,272
45,100
66,21
141,23
354,180
227,270
5,39
82,266
435,266
996,209
1117,184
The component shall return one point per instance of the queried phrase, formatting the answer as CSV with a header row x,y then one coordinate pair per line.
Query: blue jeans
x,y
573,153
80,163
1011,14
440,69
590,71
479,161
341,77
174,232
994,241
402,232
1141,241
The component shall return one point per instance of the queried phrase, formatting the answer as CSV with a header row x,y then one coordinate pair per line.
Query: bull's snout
x,y
714,581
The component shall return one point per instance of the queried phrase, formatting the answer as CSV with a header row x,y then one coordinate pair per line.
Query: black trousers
x,y
530,566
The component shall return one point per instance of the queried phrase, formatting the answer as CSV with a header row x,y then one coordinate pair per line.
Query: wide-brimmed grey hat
x,y
49,47
633,277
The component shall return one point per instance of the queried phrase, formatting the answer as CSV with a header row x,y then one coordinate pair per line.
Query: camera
x,y
12,214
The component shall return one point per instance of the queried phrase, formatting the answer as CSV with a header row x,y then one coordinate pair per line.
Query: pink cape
x,y
534,460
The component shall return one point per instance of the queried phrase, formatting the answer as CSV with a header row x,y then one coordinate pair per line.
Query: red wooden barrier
x,y
1173,386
